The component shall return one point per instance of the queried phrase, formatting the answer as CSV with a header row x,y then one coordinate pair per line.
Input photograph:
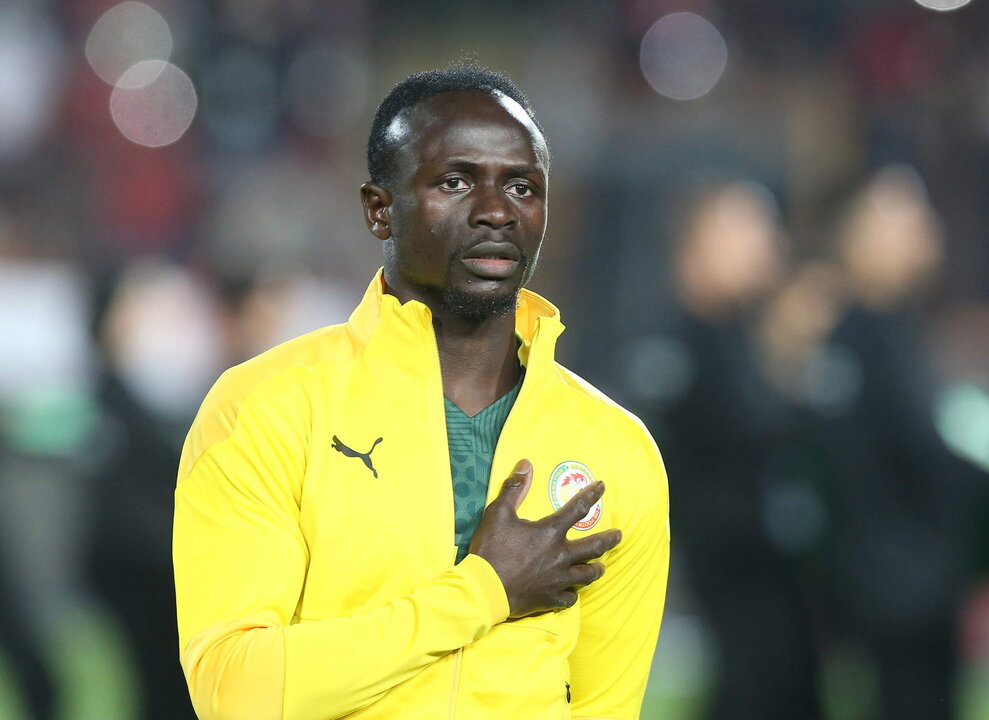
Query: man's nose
x,y
492,208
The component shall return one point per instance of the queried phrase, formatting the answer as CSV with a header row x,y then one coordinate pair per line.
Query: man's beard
x,y
471,306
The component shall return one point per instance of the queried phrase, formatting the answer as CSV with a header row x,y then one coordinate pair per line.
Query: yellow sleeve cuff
x,y
489,585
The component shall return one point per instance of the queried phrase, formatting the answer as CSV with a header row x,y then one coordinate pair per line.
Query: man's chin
x,y
478,306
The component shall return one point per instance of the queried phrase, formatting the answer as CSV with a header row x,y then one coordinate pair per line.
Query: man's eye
x,y
520,189
454,183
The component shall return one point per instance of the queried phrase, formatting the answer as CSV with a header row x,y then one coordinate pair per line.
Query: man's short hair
x,y
461,77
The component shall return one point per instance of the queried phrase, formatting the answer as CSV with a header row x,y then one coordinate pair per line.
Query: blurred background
x,y
768,233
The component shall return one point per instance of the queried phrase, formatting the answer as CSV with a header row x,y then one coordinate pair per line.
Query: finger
x,y
585,574
592,546
579,505
516,487
566,598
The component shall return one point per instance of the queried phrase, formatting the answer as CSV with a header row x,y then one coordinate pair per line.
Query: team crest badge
x,y
566,481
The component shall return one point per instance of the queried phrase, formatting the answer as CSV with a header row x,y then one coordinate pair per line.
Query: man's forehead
x,y
446,110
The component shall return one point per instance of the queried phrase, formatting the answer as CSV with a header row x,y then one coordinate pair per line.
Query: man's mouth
x,y
494,268
492,260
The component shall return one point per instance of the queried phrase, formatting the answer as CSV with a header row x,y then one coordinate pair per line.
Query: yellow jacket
x,y
309,588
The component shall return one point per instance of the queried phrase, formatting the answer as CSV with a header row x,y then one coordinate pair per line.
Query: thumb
x,y
516,487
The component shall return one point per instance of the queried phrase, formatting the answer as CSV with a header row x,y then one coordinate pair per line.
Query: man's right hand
x,y
538,566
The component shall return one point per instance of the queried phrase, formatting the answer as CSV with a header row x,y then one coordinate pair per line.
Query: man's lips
x,y
493,268
491,259
494,250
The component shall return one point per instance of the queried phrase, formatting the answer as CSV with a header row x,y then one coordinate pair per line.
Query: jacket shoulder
x,y
625,430
329,344
625,420
277,374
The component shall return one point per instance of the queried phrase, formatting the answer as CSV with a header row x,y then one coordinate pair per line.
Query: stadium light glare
x,y
683,56
125,35
154,103
943,5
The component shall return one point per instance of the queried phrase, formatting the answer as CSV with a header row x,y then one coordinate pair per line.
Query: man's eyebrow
x,y
526,170
464,164
459,163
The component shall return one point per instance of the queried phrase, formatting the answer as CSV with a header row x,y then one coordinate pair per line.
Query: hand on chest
x,y
379,505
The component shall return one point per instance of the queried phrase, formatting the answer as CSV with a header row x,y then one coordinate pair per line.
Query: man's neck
x,y
478,359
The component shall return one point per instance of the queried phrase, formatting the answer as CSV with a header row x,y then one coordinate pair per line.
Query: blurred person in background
x,y
46,422
723,425
900,516
153,329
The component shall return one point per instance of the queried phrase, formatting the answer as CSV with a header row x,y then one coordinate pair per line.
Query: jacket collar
x,y
537,321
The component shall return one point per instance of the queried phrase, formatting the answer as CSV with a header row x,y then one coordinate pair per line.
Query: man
x,y
901,500
732,433
338,550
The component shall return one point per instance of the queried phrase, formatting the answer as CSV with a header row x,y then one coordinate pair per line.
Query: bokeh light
x,y
683,56
154,103
125,35
943,5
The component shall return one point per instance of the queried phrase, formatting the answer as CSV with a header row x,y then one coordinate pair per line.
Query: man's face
x,y
468,210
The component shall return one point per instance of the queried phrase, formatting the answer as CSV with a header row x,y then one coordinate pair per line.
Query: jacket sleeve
x,y
621,613
240,568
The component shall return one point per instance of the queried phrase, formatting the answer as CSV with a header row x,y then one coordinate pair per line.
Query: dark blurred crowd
x,y
790,274
815,496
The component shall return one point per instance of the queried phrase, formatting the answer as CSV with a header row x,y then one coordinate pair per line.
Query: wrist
x,y
490,584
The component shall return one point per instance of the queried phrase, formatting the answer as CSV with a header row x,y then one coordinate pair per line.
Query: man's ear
x,y
377,209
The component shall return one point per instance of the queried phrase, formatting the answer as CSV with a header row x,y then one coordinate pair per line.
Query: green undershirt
x,y
472,443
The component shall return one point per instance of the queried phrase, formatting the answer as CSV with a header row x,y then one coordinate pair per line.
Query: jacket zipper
x,y
440,410
459,652
455,683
